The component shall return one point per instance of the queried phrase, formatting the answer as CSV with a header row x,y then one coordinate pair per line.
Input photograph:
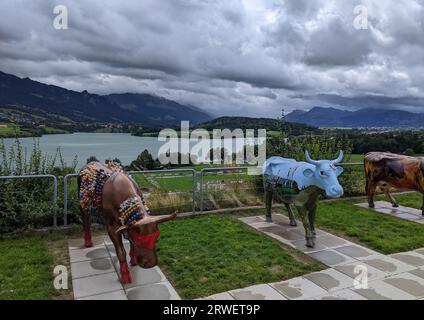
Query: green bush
x,y
27,203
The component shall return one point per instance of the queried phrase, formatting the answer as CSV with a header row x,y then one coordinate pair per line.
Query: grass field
x,y
380,232
26,267
12,131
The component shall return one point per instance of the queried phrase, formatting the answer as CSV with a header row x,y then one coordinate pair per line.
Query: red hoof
x,y
87,240
88,244
125,273
126,278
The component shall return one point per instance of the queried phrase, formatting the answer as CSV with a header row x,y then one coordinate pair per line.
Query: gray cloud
x,y
248,57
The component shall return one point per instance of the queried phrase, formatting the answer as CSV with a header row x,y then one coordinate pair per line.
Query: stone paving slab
x,y
409,283
298,288
406,213
94,285
115,295
356,251
330,280
388,264
78,255
257,292
91,267
154,291
331,257
412,258
380,290
344,294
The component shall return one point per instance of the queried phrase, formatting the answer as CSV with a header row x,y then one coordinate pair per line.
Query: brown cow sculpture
x,y
386,170
108,190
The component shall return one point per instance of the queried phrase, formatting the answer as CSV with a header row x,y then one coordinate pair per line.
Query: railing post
x,y
54,201
65,200
201,190
194,191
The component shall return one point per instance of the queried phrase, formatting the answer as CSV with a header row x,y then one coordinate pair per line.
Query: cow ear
x,y
308,173
339,171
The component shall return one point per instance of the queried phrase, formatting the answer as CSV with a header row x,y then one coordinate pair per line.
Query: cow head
x,y
143,236
325,175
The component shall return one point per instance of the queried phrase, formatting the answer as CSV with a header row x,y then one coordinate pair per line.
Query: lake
x,y
101,145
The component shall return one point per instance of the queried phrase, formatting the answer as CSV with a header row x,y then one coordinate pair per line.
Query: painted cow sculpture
x,y
300,184
387,170
109,191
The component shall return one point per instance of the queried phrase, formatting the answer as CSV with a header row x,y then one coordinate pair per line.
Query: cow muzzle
x,y
335,191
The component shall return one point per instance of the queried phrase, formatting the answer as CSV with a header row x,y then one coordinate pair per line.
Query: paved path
x,y
95,275
397,276
406,213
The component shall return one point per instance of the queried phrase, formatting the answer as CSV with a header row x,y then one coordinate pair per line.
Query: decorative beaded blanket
x,y
93,179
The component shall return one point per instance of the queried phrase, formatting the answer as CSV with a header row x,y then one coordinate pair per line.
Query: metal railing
x,y
206,170
193,191
193,174
41,176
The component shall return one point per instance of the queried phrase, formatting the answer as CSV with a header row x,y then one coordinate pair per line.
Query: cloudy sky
x,y
229,57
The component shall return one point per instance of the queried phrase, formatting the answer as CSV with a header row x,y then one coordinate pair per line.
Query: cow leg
x,y
88,242
133,256
303,213
422,206
312,213
391,199
370,190
121,254
292,218
268,204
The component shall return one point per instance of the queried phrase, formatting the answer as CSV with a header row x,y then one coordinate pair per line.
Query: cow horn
x,y
121,229
339,158
155,219
308,158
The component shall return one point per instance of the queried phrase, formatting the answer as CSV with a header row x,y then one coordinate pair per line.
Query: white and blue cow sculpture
x,y
301,184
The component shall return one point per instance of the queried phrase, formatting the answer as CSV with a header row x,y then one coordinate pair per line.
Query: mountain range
x,y
363,118
26,100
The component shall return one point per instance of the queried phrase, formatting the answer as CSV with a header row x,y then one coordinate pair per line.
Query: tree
x,y
409,152
91,159
144,161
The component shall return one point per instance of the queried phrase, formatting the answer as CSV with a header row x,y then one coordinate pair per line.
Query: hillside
x,y
363,118
257,123
28,101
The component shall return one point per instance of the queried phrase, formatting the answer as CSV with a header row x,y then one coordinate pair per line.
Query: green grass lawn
x,y
171,182
380,232
26,267
354,158
211,254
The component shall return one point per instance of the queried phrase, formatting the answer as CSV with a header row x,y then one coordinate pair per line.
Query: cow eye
x,y
322,173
